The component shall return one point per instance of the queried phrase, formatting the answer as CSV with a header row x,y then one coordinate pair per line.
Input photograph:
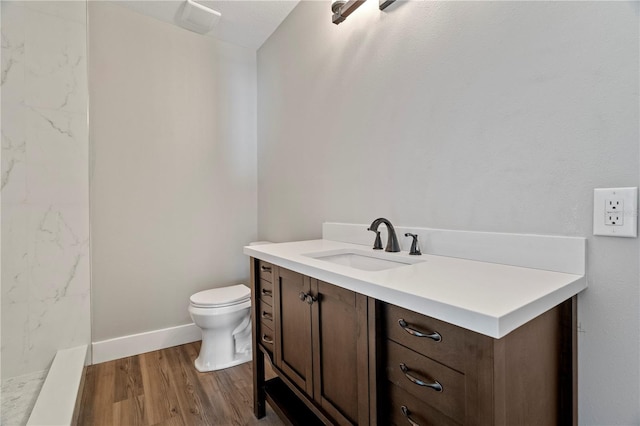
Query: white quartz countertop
x,y
488,298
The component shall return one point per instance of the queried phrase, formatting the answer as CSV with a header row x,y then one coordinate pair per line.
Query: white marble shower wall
x,y
45,184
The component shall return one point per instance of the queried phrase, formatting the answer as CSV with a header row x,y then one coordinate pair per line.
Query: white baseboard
x,y
134,344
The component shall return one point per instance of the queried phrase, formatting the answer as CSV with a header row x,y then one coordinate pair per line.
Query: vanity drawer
x,y
405,408
266,314
265,292
410,329
265,271
267,337
429,381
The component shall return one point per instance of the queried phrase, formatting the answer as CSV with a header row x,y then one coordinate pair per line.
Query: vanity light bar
x,y
341,8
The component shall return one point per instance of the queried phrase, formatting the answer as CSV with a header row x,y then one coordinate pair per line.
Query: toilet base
x,y
225,347
226,335
204,367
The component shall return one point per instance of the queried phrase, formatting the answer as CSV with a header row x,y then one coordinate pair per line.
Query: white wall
x,y
487,116
45,185
173,190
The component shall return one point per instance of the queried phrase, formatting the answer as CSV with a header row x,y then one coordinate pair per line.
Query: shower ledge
x,y
56,403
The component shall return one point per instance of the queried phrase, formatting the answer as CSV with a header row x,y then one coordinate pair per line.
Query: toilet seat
x,y
221,297
223,315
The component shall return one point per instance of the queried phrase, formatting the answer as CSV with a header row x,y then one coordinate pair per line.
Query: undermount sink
x,y
363,260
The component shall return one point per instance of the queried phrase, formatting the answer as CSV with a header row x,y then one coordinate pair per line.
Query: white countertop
x,y
488,298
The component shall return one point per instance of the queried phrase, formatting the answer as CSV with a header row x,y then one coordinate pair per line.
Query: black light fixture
x,y
343,8
385,3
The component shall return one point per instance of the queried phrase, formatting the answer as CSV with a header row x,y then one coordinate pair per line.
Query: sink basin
x,y
363,260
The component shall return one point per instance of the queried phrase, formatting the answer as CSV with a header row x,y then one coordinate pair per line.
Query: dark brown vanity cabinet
x,y
264,304
320,347
436,373
339,335
344,358
293,328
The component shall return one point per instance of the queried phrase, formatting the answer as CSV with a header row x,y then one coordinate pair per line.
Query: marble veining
x,y
19,395
44,184
14,153
13,49
14,54
55,66
64,128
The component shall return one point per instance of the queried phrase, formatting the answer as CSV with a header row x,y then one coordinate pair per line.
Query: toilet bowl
x,y
224,317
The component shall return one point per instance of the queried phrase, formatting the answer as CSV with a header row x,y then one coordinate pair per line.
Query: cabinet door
x,y
293,328
341,380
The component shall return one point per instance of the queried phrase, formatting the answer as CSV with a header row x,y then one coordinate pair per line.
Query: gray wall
x,y
45,183
486,116
173,191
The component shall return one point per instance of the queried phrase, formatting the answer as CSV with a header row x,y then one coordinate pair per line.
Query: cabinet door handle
x,y
267,315
435,336
267,292
267,339
307,298
265,268
407,414
436,386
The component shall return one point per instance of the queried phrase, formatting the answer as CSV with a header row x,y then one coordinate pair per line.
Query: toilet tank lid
x,y
221,296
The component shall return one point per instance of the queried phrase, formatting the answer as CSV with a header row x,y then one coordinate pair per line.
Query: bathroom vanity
x,y
391,346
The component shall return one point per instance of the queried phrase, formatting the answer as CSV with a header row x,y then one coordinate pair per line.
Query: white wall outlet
x,y
615,212
613,219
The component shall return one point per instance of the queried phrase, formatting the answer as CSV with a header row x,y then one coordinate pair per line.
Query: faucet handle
x,y
377,245
415,248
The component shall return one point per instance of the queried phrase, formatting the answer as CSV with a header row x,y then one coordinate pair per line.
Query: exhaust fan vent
x,y
198,18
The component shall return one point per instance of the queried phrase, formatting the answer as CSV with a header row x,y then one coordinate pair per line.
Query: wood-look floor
x,y
164,388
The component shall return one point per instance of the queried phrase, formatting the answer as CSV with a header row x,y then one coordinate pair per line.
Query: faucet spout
x,y
392,240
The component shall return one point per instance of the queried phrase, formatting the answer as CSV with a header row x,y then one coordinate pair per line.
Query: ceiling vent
x,y
198,18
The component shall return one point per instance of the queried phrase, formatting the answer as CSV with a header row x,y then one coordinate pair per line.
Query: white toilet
x,y
224,316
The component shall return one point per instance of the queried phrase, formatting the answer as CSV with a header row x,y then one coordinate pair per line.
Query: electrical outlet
x,y
615,212
614,205
613,219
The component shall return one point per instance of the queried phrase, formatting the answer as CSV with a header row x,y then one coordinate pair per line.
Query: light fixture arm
x,y
383,4
343,8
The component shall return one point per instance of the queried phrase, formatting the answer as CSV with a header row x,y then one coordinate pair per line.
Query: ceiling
x,y
247,23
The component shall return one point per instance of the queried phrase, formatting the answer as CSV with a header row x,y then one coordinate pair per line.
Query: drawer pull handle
x,y
267,315
265,268
435,385
267,292
267,339
407,414
435,336
303,296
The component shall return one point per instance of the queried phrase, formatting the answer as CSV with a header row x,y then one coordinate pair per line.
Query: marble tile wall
x,y
45,186
19,395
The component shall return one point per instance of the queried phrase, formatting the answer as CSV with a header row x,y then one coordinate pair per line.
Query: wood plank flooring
x,y
164,388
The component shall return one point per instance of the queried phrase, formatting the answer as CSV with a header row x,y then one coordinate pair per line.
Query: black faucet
x,y
415,248
392,240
